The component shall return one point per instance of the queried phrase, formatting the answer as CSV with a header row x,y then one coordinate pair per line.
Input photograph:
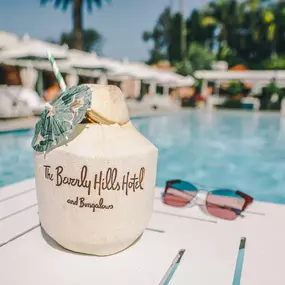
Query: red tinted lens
x,y
220,203
178,198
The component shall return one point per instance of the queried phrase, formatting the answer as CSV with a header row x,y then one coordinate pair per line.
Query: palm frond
x,y
89,5
271,32
146,36
268,16
208,21
98,3
57,3
65,4
44,2
256,34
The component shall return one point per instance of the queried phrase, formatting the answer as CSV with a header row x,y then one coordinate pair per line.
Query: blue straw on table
x,y
239,262
172,268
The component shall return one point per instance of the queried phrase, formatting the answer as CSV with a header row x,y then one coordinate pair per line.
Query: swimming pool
x,y
239,150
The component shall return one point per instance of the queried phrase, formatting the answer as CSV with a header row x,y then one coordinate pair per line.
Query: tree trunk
x,y
77,23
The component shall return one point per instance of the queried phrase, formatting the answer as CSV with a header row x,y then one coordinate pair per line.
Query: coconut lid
x,y
108,105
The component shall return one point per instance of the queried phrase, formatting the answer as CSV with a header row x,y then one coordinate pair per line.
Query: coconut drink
x,y
95,180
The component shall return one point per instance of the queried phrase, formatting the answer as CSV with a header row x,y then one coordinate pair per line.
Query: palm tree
x,y
77,7
160,36
264,20
279,12
224,16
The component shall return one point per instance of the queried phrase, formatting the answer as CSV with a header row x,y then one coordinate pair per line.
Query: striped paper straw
x,y
56,72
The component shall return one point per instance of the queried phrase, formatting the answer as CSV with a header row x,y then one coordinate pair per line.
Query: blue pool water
x,y
239,150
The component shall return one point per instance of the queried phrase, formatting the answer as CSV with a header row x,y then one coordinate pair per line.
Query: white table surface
x,y
29,257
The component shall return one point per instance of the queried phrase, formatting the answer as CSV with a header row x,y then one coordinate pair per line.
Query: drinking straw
x,y
58,77
239,262
169,273
56,72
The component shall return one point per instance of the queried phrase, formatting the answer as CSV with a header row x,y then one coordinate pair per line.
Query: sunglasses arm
x,y
248,199
236,211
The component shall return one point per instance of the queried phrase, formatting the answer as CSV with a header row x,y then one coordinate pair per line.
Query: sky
x,y
121,22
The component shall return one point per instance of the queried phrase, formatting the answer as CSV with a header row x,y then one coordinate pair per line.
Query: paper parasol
x,y
60,117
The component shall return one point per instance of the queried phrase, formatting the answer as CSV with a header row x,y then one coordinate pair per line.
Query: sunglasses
x,y
222,203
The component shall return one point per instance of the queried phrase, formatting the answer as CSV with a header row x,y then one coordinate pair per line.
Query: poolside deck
x,y
15,124
24,123
29,256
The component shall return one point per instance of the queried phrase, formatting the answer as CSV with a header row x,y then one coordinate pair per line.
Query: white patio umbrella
x,y
165,90
102,79
249,75
29,77
186,81
152,88
63,65
8,39
137,88
125,70
34,49
71,79
172,79
84,60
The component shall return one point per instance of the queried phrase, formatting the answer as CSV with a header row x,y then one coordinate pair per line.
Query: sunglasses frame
x,y
248,199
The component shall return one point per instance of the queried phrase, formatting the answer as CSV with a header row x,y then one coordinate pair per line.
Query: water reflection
x,y
216,149
225,149
16,157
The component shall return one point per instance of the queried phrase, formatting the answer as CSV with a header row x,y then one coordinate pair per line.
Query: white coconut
x,y
73,209
109,102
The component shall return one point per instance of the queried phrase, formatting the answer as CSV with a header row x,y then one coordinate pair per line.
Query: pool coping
x,y
27,123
